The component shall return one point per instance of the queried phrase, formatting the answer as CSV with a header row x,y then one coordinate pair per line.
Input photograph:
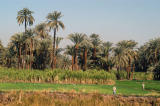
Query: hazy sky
x,y
113,20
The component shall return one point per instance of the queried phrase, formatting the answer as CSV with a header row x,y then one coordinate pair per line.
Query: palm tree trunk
x,y
85,59
128,72
25,55
82,59
72,62
19,60
75,58
25,23
31,53
133,69
55,58
54,44
94,53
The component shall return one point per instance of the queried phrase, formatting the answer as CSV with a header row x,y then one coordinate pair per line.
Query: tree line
x,y
35,48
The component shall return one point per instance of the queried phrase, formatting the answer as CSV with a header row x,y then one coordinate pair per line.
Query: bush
x,y
143,76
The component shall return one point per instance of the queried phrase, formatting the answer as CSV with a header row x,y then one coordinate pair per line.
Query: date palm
x,y
76,38
54,23
106,51
95,39
125,55
85,45
17,42
25,16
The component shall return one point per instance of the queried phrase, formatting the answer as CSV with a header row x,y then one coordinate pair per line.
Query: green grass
x,y
152,88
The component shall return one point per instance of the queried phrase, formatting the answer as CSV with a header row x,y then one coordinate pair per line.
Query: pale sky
x,y
113,20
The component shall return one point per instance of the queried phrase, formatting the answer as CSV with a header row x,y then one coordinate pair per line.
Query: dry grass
x,y
47,98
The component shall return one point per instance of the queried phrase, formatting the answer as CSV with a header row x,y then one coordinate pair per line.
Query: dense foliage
x,y
36,49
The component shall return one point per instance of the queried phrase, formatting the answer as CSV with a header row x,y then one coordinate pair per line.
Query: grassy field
x,y
152,88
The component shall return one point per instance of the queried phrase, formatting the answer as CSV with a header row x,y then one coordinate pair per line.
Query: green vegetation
x,y
36,49
67,76
57,76
123,87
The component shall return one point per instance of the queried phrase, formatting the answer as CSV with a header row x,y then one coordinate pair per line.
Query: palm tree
x,y
17,41
57,49
76,38
120,59
41,54
41,30
125,55
54,24
30,42
85,45
95,42
25,16
132,57
70,51
149,56
106,50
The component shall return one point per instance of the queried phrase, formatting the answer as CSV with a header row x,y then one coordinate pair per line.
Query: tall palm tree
x,y
54,23
25,16
76,38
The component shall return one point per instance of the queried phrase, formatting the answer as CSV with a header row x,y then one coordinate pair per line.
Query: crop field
x,y
152,88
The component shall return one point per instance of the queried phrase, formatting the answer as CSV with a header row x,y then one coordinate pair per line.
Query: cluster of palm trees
x,y
41,31
36,49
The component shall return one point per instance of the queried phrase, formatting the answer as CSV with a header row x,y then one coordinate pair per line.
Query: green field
x,y
152,88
